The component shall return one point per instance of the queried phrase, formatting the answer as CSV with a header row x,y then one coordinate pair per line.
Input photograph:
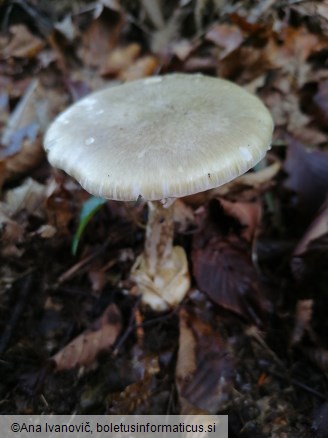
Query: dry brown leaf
x,y
29,196
136,398
248,215
307,179
22,137
204,367
143,67
245,64
100,38
22,44
29,156
318,228
228,37
183,215
83,350
298,44
226,274
222,263
120,59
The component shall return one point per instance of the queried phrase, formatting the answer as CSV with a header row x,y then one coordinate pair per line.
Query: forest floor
x,y
251,338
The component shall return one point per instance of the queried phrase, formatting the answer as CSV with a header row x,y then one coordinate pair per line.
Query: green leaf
x,y
89,209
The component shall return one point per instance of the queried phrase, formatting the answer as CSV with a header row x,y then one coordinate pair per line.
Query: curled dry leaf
x,y
100,336
204,367
248,215
226,274
29,156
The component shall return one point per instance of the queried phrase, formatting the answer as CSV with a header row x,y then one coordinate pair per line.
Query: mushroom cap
x,y
160,137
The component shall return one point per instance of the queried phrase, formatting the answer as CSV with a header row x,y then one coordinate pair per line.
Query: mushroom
x,y
158,139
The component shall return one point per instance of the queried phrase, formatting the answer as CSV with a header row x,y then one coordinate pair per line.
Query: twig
x,y
75,269
297,383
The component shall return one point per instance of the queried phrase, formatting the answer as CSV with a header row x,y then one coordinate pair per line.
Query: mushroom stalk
x,y
161,271
159,236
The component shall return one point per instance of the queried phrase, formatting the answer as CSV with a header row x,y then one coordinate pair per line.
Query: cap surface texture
x,y
160,137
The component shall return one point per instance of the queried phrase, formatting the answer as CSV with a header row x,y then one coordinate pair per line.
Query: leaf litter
x,y
251,338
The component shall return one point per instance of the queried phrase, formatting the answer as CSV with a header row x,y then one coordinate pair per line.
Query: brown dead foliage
x,y
307,178
257,246
222,262
204,367
100,336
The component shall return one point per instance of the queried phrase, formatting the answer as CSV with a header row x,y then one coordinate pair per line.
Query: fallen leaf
x,y
21,139
314,260
318,228
100,38
120,59
307,179
204,367
143,67
252,58
137,397
45,231
317,106
83,350
248,215
222,263
226,36
21,44
226,274
29,196
184,216
11,236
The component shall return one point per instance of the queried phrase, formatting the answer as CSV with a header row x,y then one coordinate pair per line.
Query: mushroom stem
x,y
159,236
161,271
